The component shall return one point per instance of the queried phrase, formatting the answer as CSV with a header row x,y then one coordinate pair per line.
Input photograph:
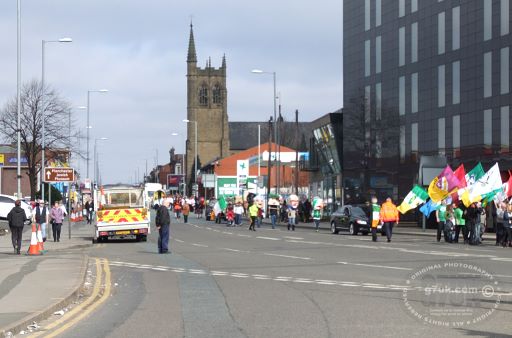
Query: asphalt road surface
x,y
229,282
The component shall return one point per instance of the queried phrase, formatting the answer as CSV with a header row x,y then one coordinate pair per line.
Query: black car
x,y
351,218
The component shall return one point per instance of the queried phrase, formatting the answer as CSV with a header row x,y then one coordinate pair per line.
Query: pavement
x,y
33,287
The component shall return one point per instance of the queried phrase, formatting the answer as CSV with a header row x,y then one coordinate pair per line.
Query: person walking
x,y
253,213
507,224
57,216
239,210
16,218
500,224
89,206
318,205
374,218
163,224
40,216
460,224
441,220
273,210
185,211
389,216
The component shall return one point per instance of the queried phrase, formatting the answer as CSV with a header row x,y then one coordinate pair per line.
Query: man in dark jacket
x,y
16,218
163,223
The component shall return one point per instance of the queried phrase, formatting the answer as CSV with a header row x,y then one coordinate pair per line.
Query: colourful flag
x,y
460,173
508,190
486,184
429,207
415,197
443,185
475,174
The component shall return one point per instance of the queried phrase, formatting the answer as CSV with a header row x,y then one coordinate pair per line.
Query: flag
x,y
428,207
220,205
460,173
486,184
486,198
508,190
415,197
475,174
443,185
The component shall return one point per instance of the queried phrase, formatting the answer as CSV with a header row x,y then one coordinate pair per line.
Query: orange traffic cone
x,y
72,217
40,245
33,250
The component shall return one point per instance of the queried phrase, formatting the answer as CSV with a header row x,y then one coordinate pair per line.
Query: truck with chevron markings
x,y
122,213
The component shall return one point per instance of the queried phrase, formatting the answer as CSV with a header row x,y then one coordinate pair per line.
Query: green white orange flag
x,y
486,184
415,197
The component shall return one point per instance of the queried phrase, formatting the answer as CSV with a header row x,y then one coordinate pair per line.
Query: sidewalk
x,y
33,287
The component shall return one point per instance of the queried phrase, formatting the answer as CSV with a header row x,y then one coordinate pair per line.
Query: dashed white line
x,y
179,240
290,237
375,266
240,235
200,245
269,238
286,256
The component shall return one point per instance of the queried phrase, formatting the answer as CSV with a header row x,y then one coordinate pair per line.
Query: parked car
x,y
7,203
351,218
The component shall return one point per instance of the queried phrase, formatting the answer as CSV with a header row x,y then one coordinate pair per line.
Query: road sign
x,y
59,174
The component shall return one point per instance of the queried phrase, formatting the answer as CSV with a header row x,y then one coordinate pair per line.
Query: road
x,y
230,282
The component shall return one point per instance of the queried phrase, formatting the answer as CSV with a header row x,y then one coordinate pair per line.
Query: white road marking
x,y
501,259
375,266
290,237
200,245
179,240
239,235
269,238
286,256
160,269
227,232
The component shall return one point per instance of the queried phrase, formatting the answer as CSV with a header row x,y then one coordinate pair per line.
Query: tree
x,y
56,111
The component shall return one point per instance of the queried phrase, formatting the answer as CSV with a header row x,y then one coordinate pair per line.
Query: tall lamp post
x,y
195,148
88,124
18,94
259,71
43,96
96,174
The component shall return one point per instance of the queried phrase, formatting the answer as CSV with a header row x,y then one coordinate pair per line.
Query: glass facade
x,y
378,13
367,61
441,41
378,101
441,135
401,95
414,6
505,128
414,42
455,28
401,46
487,19
488,74
456,82
378,54
401,8
414,137
414,93
504,17
505,71
441,92
488,127
456,132
367,15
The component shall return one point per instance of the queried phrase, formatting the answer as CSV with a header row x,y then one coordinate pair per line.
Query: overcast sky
x,y
137,50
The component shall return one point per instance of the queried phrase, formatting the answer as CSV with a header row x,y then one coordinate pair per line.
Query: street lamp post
x,y
195,148
88,123
96,157
43,96
18,96
259,71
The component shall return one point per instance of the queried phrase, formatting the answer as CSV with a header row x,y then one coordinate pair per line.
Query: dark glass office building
x,y
423,78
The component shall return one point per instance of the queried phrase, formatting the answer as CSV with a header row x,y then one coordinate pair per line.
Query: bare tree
x,y
57,131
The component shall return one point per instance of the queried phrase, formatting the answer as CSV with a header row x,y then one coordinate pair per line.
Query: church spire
x,y
191,46
224,61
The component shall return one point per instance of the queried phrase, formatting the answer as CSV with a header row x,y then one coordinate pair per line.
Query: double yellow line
x,y
84,309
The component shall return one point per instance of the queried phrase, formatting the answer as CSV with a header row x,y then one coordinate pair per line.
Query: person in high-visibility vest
x,y
375,218
389,217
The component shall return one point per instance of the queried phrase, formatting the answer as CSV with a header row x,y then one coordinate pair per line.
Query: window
x,y
414,42
366,15
414,137
440,33
203,95
414,93
217,94
378,101
440,86
456,82
504,74
487,19
401,46
401,95
401,8
456,132
378,145
414,6
455,28
504,20
488,74
367,65
505,131
488,127
441,135
367,103
402,143
378,54
378,13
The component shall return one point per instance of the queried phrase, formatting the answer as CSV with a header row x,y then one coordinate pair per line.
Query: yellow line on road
x,y
85,308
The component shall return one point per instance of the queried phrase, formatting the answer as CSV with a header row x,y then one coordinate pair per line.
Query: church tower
x,y
206,106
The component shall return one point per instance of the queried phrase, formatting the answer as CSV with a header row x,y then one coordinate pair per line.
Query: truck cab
x,y
123,214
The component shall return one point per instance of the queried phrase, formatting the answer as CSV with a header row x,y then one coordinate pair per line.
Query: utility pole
x,y
269,163
296,152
